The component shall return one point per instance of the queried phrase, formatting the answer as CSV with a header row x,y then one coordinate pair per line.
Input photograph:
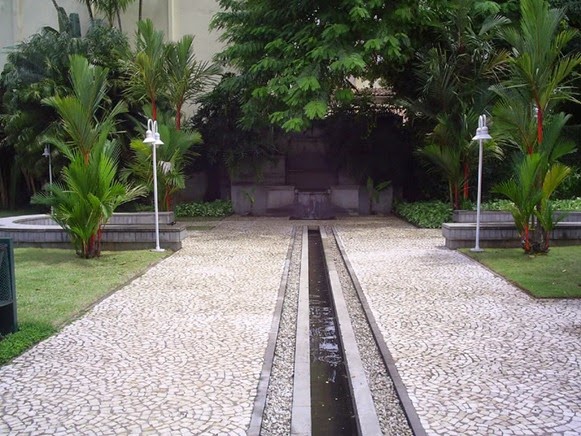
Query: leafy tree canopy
x,y
298,59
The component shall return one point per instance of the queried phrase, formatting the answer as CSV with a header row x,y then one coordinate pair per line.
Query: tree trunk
x,y
91,17
179,116
119,20
167,199
466,182
140,14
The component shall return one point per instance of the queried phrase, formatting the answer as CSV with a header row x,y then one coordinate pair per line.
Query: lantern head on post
x,y
482,130
481,136
152,137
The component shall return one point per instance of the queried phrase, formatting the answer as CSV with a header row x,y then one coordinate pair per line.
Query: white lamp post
x,y
48,155
152,137
481,135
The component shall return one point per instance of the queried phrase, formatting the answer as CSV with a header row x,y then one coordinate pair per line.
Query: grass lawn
x,y
54,286
555,275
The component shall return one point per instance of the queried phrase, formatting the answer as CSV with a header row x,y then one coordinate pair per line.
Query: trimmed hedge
x,y
425,214
214,209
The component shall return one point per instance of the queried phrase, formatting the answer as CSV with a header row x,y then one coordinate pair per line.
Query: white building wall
x,y
193,18
19,19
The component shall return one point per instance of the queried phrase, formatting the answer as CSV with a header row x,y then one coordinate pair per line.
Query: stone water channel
x,y
326,373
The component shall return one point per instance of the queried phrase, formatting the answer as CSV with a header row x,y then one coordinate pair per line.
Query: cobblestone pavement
x,y
177,351
477,355
180,349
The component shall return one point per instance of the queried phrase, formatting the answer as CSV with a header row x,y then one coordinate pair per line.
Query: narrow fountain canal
x,y
332,410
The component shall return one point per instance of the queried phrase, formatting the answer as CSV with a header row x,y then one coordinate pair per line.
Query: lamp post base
x,y
476,250
158,250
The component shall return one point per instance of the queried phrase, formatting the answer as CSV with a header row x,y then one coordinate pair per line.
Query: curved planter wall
x,y
125,231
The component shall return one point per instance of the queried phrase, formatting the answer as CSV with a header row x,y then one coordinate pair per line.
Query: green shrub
x,y
426,214
572,204
499,204
217,208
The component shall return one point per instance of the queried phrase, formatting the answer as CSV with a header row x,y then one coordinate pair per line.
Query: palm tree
x,y
455,77
186,76
173,156
538,174
145,70
540,77
540,74
110,8
89,193
87,197
78,111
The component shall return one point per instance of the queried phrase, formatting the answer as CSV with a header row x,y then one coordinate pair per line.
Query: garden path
x,y
179,350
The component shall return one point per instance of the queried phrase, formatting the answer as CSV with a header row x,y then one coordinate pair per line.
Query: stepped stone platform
x,y
497,229
125,231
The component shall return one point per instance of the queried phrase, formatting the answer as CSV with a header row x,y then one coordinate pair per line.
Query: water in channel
x,y
331,405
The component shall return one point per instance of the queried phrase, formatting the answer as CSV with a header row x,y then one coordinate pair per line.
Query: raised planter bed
x,y
125,231
497,229
493,216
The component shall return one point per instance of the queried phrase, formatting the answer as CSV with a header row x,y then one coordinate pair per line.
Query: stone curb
x,y
301,409
365,413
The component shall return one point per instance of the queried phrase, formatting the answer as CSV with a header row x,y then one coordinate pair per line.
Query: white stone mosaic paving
x,y
177,351
477,355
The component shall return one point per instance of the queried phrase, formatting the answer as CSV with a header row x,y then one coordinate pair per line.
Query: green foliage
x,y
217,208
77,111
292,59
186,76
541,76
557,205
145,67
172,158
110,8
35,70
454,77
90,191
427,214
570,204
532,209
226,142
499,204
